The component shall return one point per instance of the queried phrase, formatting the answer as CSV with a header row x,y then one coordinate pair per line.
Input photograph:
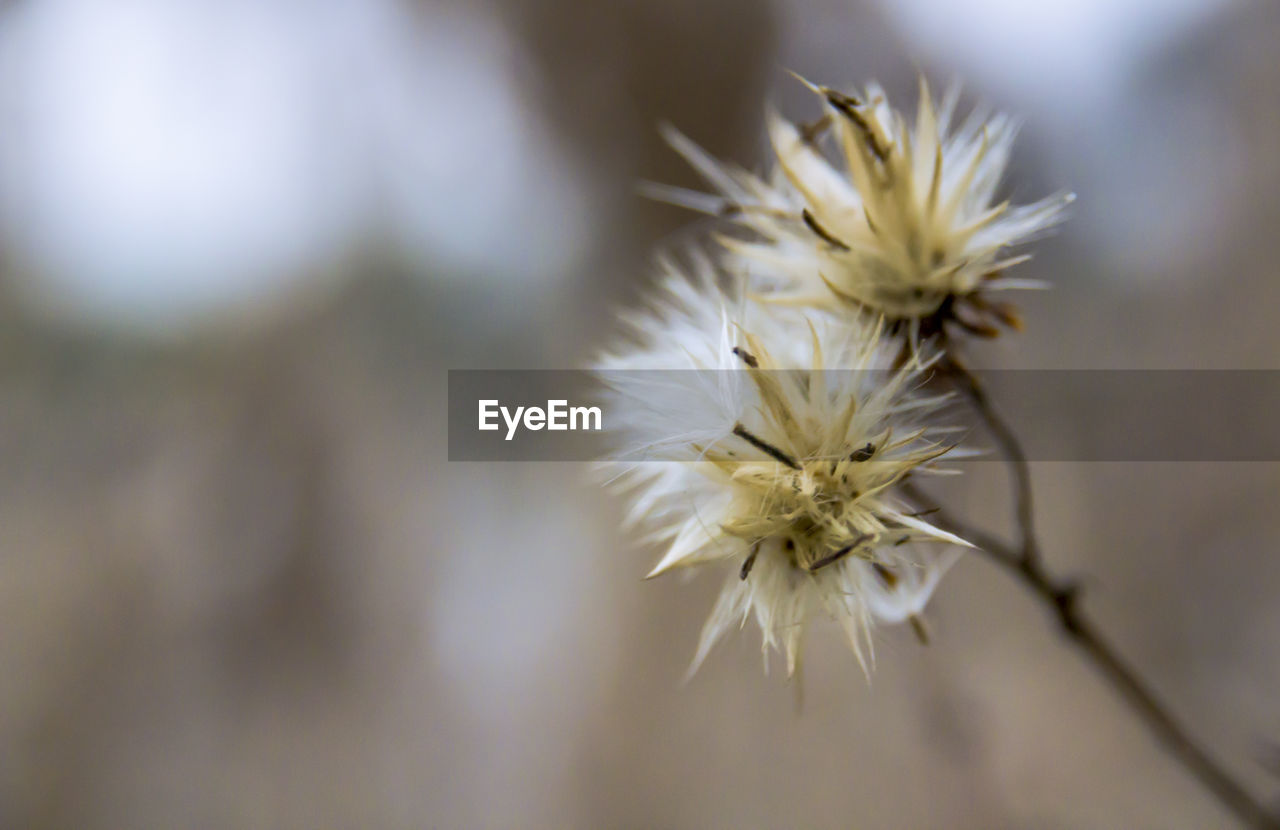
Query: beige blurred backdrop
x,y
241,585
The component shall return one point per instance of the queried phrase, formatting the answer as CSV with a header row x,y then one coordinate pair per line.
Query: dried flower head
x,y
777,458
903,226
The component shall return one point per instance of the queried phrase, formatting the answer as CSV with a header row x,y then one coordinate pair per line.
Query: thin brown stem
x,y
1010,448
1062,597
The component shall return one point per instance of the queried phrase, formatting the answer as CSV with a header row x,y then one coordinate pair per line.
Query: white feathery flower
x,y
904,226
778,459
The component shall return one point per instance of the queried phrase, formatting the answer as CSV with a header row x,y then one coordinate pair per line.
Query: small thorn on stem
x,y
1066,599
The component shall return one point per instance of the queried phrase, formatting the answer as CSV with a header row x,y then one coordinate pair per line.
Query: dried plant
x,y
800,483
785,471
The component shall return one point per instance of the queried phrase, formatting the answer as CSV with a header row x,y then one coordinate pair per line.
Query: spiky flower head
x,y
776,458
905,224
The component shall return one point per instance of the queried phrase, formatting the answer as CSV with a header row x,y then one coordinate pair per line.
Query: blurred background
x,y
241,243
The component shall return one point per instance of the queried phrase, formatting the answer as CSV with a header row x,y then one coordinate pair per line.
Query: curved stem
x,y
1062,598
1010,448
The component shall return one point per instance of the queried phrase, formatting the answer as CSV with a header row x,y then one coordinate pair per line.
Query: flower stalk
x,y
1061,599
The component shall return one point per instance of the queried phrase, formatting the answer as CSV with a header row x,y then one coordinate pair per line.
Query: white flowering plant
x,y
781,399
